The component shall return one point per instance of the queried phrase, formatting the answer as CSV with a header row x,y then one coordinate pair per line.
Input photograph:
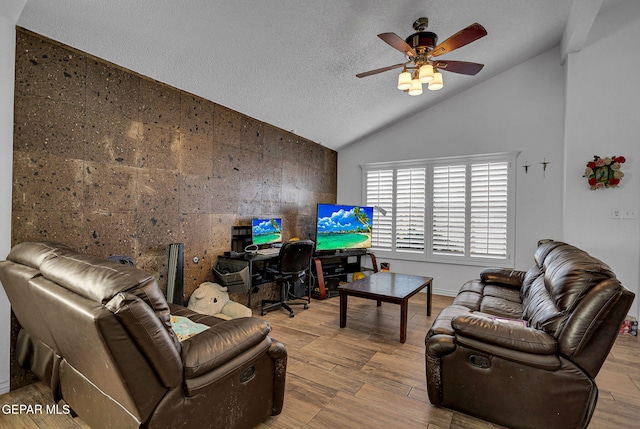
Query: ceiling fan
x,y
420,50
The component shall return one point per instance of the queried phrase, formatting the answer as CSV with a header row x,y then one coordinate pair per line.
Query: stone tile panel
x,y
44,183
159,148
159,105
109,188
47,69
112,90
49,127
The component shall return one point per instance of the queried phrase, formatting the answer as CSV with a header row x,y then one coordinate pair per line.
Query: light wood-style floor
x,y
361,376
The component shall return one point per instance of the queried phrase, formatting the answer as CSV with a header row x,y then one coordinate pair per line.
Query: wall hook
x,y
544,166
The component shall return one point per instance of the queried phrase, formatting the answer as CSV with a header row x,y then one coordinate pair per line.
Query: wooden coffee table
x,y
386,287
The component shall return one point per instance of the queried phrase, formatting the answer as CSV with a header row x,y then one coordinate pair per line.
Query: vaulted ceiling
x,y
292,63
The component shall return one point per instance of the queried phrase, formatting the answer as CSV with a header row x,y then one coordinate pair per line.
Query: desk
x,y
386,287
257,265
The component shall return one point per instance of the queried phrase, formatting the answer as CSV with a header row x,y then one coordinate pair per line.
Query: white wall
x,y
603,118
519,110
9,13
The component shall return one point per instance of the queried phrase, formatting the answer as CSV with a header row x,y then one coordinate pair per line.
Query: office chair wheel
x,y
306,306
291,314
264,312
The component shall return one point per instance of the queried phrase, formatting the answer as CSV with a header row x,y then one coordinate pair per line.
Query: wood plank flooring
x,y
361,376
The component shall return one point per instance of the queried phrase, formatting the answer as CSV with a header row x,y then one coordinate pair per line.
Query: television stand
x,y
336,266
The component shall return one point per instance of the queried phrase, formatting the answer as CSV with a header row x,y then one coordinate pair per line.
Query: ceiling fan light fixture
x,y
426,73
404,81
436,83
416,87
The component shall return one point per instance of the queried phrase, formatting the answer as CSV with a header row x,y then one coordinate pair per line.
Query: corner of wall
x,y
7,60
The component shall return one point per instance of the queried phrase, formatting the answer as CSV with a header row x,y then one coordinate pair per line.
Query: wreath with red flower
x,y
604,172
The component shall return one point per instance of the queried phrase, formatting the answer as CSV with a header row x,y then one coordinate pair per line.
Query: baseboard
x,y
444,292
5,386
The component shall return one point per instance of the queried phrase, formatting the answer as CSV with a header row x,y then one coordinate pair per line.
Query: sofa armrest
x,y
505,334
503,276
236,310
278,352
221,343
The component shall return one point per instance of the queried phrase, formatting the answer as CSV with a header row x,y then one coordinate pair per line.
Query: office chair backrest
x,y
295,256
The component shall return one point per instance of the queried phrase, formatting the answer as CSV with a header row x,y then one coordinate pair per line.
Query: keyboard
x,y
269,251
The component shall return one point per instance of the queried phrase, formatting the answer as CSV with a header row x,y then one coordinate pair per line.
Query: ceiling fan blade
x,y
384,69
397,42
458,40
462,67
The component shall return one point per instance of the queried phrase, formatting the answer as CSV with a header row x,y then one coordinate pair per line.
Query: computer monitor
x,y
342,227
266,231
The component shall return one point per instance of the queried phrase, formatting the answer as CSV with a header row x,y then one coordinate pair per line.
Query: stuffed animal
x,y
213,299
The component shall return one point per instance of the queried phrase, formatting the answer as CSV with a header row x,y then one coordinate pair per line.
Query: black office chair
x,y
293,263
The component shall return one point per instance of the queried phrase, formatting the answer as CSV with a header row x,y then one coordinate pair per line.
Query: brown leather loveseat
x,y
100,334
482,360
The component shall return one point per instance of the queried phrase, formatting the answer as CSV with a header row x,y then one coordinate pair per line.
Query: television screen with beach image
x,y
266,231
343,227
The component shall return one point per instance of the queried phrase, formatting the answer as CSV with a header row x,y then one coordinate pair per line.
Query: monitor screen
x,y
266,231
343,227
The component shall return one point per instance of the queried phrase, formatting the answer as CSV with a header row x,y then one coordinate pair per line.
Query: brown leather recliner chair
x,y
99,334
482,360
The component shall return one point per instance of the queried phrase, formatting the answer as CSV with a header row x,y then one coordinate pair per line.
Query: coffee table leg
x,y
429,290
404,306
343,310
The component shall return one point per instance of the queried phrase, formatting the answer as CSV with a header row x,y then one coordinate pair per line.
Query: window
x,y
457,210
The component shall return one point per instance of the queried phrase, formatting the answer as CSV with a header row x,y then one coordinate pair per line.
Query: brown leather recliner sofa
x,y
99,334
482,360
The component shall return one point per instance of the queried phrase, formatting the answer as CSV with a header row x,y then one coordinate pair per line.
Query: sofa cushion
x,y
32,254
501,307
470,295
442,324
214,347
569,275
562,276
502,276
512,295
101,279
150,335
93,278
538,307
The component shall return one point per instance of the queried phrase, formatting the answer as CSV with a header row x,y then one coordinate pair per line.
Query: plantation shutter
x,y
449,209
410,208
379,189
488,214
458,210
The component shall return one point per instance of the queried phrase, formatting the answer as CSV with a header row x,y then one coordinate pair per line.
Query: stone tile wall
x,y
114,163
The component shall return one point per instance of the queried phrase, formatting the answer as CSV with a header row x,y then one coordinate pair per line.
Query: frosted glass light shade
x,y
426,73
416,87
436,83
404,81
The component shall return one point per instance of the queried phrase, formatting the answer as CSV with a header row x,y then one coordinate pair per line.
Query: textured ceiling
x,y
292,63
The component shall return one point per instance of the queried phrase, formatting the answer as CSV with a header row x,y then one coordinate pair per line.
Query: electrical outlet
x,y
630,213
616,213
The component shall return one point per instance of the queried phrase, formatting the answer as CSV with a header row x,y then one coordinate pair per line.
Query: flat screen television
x,y
342,227
266,231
